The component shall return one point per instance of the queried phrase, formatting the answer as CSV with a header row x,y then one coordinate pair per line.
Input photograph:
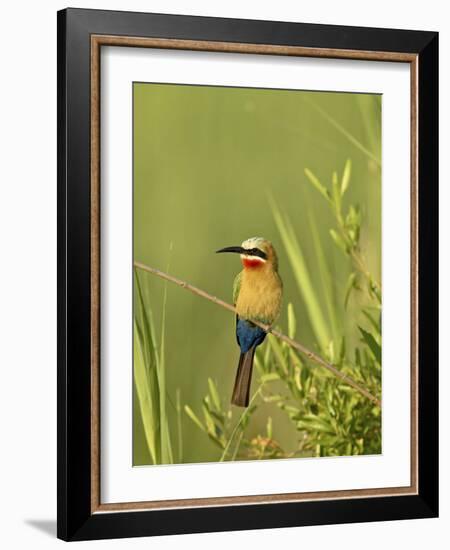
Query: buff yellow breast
x,y
259,295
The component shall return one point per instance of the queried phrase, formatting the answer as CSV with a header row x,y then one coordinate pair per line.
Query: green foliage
x,y
217,422
348,231
329,417
263,446
204,160
302,276
328,227
149,381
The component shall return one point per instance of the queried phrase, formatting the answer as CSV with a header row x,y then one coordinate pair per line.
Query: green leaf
x,y
346,176
210,424
278,352
351,284
316,183
194,418
338,240
374,347
179,426
292,322
331,351
154,408
353,218
273,398
342,351
375,324
297,378
215,439
166,445
145,400
269,427
336,194
267,354
315,423
214,394
293,411
217,416
325,275
149,350
302,276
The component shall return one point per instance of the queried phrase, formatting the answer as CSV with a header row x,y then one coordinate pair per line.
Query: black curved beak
x,y
236,249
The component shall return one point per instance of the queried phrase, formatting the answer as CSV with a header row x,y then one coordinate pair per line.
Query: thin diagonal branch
x,y
294,344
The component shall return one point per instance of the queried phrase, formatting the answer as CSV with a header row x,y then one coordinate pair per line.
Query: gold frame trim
x,y
97,41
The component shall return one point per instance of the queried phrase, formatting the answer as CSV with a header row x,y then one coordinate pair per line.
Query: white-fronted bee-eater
x,y
257,294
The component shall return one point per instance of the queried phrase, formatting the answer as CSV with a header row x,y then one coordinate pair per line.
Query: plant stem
x,y
296,345
179,427
236,447
243,415
356,256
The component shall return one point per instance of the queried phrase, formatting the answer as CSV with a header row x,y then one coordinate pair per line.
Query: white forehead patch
x,y
253,242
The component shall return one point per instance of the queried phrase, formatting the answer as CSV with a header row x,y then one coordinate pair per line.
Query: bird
x,y
257,296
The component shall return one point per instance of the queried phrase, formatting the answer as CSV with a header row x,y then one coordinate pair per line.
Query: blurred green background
x,y
206,162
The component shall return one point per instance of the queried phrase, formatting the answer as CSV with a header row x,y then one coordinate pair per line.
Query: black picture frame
x,y
76,520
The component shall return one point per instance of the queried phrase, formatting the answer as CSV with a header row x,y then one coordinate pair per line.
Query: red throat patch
x,y
251,263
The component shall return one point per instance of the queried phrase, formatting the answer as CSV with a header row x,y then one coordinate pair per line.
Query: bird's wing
x,y
236,287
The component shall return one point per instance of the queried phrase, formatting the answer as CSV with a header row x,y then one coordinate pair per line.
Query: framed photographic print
x,y
247,256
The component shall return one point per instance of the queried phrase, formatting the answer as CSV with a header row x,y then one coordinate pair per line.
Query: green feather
x,y
236,287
